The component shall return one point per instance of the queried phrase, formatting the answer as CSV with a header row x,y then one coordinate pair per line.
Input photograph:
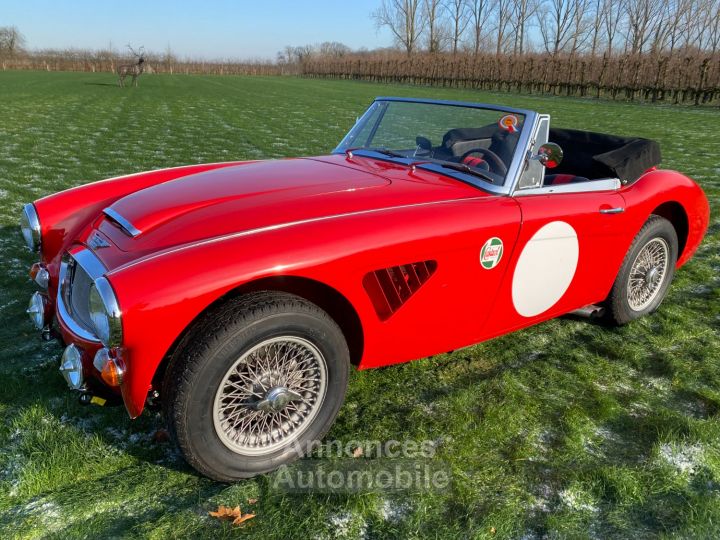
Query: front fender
x,y
163,293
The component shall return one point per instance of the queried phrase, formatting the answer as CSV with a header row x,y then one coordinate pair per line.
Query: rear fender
x,y
654,190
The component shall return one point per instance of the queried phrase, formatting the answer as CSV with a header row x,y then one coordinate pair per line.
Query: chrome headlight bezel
x,y
30,227
105,314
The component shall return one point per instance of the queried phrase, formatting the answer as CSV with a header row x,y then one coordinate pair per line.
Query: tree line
x,y
555,27
15,55
692,77
663,50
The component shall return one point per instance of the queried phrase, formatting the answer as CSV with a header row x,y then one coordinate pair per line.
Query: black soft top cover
x,y
597,155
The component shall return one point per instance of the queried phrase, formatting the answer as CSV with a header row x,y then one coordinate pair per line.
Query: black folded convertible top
x,y
597,155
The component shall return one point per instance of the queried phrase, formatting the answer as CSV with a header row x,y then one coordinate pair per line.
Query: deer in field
x,y
135,70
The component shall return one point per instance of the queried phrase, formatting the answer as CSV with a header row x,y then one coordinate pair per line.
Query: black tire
x,y
655,231
198,368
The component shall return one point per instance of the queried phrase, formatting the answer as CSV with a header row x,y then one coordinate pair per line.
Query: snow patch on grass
x,y
347,525
686,459
393,511
12,469
577,501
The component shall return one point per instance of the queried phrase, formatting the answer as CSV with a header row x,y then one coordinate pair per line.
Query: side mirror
x,y
550,155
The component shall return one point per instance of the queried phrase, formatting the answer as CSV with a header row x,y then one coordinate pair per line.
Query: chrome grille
x,y
79,293
77,274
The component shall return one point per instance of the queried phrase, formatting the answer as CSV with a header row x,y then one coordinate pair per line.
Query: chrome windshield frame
x,y
517,165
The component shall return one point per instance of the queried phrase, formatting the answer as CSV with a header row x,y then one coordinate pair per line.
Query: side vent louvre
x,y
390,288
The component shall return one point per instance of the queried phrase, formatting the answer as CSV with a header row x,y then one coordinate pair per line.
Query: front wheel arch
x,y
325,297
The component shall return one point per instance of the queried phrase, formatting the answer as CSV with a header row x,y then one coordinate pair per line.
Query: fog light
x,y
36,310
111,368
40,275
71,367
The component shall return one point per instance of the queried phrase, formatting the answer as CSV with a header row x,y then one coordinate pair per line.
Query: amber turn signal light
x,y
110,366
39,274
113,372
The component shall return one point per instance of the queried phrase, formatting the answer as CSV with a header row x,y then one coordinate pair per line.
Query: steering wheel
x,y
496,164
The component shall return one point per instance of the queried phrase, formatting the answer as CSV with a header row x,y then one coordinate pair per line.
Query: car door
x,y
571,244
567,255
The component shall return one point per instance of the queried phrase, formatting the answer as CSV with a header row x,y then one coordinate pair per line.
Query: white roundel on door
x,y
545,268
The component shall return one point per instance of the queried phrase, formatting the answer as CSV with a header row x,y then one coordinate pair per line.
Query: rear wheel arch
x,y
675,213
327,298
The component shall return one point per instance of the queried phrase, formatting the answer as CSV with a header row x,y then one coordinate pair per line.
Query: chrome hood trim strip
x,y
125,225
285,225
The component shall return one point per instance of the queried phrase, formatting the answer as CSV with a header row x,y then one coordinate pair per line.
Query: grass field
x,y
564,430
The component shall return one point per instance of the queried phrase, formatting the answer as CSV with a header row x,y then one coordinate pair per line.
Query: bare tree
x,y
580,27
459,19
479,18
612,14
596,25
333,48
522,12
432,17
662,25
692,24
404,20
169,60
640,15
503,11
12,41
713,26
558,21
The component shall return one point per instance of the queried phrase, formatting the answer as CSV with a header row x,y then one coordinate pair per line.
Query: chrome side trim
x,y
286,225
63,313
128,227
605,184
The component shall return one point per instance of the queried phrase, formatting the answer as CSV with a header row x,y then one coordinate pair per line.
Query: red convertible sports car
x,y
239,294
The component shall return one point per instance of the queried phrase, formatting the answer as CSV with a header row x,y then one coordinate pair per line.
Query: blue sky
x,y
210,29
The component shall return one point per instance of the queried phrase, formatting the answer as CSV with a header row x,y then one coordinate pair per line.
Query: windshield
x,y
479,142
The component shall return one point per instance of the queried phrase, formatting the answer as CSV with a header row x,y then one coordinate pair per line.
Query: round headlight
x,y
30,227
36,310
105,313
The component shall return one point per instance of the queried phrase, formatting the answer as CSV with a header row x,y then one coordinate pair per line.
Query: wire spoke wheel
x,y
647,274
270,395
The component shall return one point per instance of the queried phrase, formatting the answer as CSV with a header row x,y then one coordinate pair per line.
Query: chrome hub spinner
x,y
276,399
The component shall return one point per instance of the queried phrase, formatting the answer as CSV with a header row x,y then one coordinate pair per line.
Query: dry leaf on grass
x,y
243,518
225,512
252,501
161,436
358,452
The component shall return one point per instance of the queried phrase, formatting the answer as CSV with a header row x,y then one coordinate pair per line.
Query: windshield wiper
x,y
386,152
383,151
462,167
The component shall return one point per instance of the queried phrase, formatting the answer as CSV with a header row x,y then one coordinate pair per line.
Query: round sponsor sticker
x,y
491,253
509,122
